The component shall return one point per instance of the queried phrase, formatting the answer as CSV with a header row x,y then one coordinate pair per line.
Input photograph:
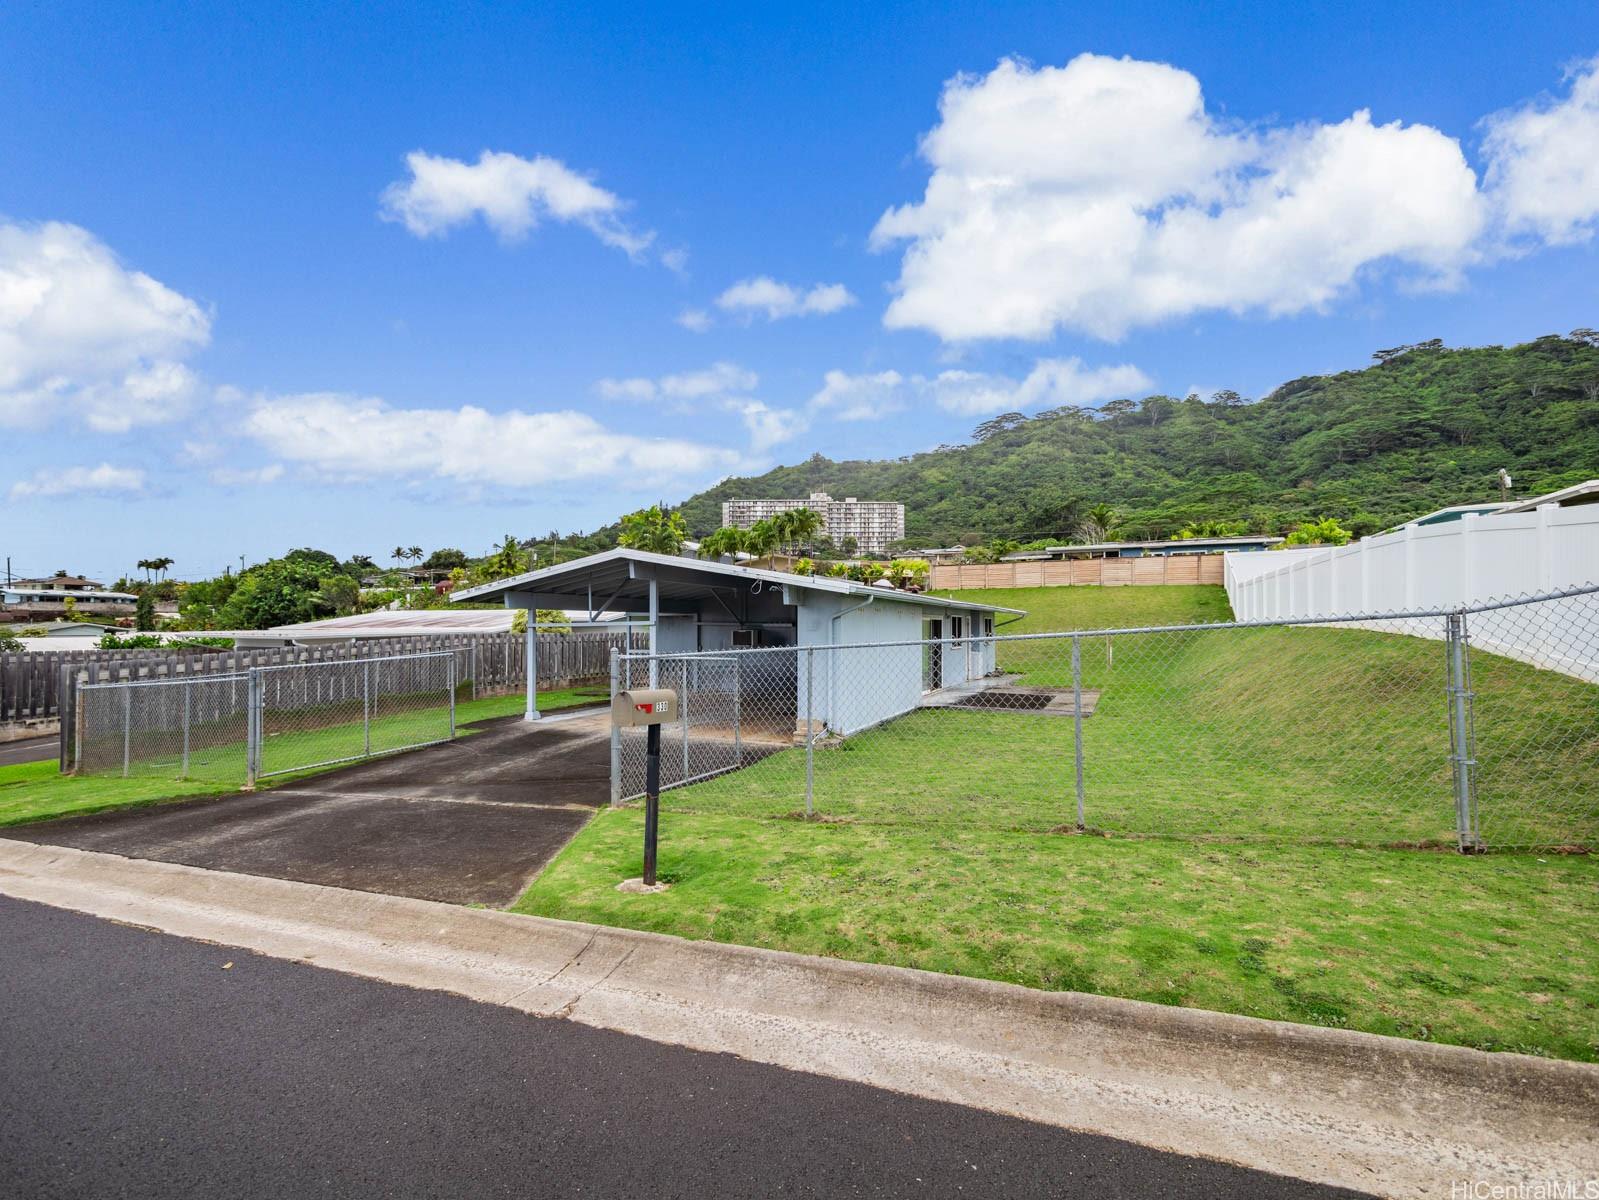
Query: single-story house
x,y
691,605
1198,545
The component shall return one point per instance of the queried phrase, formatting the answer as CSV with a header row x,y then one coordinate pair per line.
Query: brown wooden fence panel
x,y
1153,570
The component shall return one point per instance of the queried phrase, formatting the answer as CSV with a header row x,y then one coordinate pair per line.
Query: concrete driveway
x,y
469,822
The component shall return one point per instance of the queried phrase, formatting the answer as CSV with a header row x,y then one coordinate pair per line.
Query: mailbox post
x,y
649,707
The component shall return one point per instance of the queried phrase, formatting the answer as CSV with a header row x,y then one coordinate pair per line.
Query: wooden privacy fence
x,y
1154,569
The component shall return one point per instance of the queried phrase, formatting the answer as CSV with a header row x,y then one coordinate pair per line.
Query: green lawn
x,y
1493,951
1264,778
38,791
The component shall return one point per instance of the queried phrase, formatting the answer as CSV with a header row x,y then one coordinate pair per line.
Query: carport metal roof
x,y
601,582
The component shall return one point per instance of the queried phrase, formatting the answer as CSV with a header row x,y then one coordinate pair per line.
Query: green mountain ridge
x,y
1426,427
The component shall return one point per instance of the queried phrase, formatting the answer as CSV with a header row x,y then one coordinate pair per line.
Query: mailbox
x,y
643,706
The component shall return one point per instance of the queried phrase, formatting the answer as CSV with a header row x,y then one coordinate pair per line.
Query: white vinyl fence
x,y
1476,560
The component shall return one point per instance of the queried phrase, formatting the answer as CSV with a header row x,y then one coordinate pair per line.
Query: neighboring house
x,y
1213,545
60,583
23,601
60,635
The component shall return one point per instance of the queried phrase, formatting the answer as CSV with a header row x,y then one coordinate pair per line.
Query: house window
x,y
988,626
957,626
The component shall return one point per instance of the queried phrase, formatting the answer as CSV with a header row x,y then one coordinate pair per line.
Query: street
x,y
136,1063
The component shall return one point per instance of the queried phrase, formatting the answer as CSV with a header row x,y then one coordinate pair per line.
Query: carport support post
x,y
655,621
1077,720
530,646
616,731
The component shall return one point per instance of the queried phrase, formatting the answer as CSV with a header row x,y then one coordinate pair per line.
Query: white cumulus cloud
x,y
1543,162
865,397
695,320
718,379
765,296
769,426
510,193
1102,195
351,438
103,480
246,476
82,334
1051,383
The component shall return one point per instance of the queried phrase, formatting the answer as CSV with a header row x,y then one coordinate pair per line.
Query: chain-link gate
x,y
235,729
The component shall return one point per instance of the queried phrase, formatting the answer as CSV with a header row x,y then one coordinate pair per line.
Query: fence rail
x,y
1409,728
237,727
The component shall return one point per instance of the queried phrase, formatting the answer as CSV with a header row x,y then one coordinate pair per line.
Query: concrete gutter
x,y
1378,1114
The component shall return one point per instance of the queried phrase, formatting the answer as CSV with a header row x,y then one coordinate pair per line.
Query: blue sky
x,y
236,317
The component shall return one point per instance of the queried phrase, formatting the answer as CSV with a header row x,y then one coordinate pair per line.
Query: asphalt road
x,y
133,1063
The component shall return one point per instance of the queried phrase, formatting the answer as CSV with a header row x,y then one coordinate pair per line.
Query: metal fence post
x,y
738,692
683,706
366,707
810,739
184,773
127,725
1460,732
616,731
252,726
452,694
1077,721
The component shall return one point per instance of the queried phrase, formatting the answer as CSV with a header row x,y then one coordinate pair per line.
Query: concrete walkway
x,y
1375,1114
467,822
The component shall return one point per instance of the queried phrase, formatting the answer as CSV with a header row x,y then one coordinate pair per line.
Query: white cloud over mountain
x,y
1051,383
512,195
82,334
1102,196
1543,160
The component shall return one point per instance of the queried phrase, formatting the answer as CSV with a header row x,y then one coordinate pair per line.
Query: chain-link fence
x,y
1475,728
237,728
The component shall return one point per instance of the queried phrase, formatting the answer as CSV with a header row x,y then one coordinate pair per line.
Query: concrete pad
x,y
1377,1114
467,822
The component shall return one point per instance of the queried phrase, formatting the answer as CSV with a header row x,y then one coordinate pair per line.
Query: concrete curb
x,y
1379,1114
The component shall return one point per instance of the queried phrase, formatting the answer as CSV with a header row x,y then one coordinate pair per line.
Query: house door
x,y
932,655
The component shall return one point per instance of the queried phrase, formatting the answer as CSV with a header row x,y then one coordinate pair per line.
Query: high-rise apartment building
x,y
873,524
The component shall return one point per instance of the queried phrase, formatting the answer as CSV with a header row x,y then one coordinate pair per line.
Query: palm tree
x,y
761,538
806,524
1098,524
145,564
656,529
415,554
160,565
729,539
399,554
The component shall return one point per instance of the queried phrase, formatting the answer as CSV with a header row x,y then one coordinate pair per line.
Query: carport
x,y
690,605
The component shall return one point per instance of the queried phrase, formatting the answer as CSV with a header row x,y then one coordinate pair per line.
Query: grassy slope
x,y
38,791
1490,951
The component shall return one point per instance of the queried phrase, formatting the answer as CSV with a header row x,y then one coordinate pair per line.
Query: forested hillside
x,y
1424,427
